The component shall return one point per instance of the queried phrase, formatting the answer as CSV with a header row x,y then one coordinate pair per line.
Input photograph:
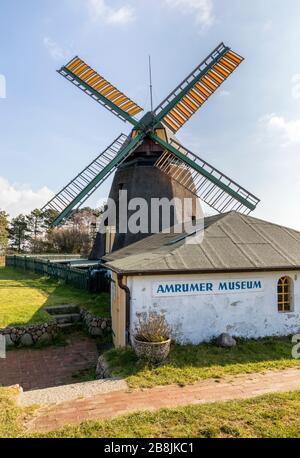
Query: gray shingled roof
x,y
231,242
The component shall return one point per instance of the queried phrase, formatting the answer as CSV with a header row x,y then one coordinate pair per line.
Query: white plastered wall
x,y
201,317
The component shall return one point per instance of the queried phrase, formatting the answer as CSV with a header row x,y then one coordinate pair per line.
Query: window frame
x,y
285,287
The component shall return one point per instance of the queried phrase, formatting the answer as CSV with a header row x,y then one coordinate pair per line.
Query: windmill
x,y
150,160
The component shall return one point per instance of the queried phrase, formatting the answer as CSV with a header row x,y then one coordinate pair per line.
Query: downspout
x,y
127,307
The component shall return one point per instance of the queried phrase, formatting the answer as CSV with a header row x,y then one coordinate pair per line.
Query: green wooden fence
x,y
95,280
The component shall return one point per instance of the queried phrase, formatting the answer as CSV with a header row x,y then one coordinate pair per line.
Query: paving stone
x,y
50,366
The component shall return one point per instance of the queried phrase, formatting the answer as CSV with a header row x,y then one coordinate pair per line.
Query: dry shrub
x,y
152,327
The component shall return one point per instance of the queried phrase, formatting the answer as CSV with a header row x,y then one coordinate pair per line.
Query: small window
x,y
284,294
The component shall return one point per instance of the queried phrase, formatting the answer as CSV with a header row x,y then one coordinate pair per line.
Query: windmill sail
x,y
212,186
97,87
193,92
86,182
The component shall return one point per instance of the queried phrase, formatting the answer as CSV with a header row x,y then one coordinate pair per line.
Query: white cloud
x,y
99,10
16,199
201,9
55,51
296,86
288,130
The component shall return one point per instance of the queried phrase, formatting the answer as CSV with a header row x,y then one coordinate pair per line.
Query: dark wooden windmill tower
x,y
150,162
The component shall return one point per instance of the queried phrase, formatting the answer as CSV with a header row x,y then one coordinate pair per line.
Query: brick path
x,y
51,366
124,402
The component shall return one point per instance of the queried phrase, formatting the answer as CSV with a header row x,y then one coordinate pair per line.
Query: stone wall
x,y
26,336
95,325
102,369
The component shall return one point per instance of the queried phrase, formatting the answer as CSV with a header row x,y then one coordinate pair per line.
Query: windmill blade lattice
x,y
212,186
86,182
193,92
97,87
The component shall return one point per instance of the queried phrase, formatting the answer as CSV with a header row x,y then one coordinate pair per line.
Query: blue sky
x,y
250,129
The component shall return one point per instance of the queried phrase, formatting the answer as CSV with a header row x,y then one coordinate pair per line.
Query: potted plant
x,y
151,340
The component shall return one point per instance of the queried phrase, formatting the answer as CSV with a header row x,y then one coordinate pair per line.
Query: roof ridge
x,y
245,217
219,216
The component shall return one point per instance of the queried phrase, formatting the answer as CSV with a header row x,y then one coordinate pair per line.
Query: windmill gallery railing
x,y
93,279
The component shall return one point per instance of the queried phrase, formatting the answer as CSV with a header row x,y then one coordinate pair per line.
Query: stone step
x,y
62,309
68,326
67,318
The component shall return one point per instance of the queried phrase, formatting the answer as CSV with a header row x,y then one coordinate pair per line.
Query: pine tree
x,y
19,233
39,223
34,224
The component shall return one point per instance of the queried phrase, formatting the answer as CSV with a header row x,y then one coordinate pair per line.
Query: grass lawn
x,y
11,416
188,364
270,416
23,296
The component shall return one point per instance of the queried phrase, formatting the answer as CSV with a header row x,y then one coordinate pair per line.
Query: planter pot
x,y
154,352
